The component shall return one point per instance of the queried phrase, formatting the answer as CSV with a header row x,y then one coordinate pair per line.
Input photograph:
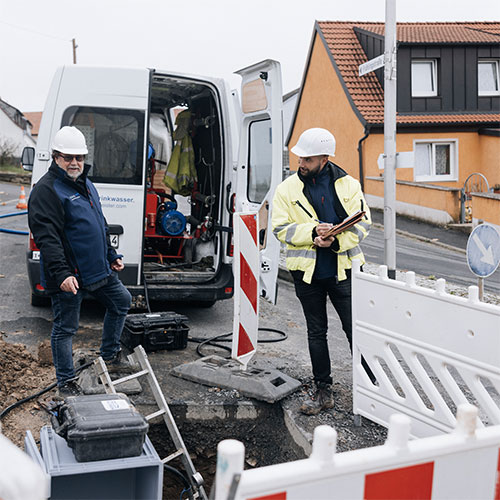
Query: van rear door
x,y
110,107
260,159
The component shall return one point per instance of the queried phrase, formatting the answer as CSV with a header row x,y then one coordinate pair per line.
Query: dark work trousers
x,y
313,299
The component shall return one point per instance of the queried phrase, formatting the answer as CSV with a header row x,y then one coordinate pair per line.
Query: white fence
x,y
438,467
429,350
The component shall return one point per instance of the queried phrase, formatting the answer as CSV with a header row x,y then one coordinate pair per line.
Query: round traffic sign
x,y
483,250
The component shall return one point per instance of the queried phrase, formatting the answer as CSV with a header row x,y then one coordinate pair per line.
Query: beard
x,y
74,174
310,173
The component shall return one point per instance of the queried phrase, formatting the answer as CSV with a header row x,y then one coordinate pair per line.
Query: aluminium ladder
x,y
139,356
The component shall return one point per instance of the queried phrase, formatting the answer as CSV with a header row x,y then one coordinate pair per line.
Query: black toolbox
x,y
155,331
101,427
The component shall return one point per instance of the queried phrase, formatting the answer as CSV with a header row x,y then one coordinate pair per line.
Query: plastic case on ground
x,y
163,330
122,478
101,427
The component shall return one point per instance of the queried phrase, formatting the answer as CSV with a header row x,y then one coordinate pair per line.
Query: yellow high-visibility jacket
x,y
181,171
294,218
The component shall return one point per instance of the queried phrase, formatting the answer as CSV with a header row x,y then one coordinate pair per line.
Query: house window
x,y
436,160
487,77
423,77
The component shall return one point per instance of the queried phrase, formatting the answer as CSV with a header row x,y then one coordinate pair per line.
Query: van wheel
x,y
37,301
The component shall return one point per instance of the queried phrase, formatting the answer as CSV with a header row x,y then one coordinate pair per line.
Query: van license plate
x,y
35,255
114,240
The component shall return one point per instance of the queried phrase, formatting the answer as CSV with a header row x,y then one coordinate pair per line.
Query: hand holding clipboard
x,y
345,224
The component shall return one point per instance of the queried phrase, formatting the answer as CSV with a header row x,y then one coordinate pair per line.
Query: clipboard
x,y
345,224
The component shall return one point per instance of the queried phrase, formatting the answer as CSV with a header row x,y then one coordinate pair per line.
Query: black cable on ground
x,y
38,394
221,338
146,294
182,477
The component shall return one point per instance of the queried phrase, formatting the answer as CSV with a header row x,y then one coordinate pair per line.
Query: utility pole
x,y
73,41
390,58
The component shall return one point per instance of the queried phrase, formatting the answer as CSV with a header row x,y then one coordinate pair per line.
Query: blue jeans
x,y
66,309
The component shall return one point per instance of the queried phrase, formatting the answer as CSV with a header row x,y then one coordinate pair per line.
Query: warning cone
x,y
22,200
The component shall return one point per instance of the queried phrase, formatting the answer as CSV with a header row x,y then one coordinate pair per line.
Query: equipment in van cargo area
x,y
175,239
101,427
164,330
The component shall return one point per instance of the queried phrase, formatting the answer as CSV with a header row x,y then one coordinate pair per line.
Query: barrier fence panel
x,y
246,286
438,467
430,352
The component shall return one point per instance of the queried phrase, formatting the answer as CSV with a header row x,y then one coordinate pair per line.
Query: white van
x,y
175,247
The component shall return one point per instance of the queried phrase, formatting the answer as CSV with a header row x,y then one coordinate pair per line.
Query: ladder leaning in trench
x,y
139,356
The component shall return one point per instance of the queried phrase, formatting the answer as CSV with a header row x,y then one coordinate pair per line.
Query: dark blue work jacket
x,y
68,226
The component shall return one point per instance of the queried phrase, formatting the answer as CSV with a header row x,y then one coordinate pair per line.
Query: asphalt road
x,y
427,259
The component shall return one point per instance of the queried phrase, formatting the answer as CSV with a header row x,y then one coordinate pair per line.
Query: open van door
x,y
260,160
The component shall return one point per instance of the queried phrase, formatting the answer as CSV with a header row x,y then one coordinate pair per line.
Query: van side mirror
x,y
28,158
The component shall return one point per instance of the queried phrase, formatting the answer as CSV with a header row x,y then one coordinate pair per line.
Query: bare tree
x,y
7,152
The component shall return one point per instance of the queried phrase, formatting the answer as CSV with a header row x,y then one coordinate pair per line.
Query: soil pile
x,y
22,375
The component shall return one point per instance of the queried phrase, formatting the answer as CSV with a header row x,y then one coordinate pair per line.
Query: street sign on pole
x,y
371,65
483,250
405,159
390,138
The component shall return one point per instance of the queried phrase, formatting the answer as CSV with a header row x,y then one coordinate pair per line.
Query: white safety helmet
x,y
315,142
69,140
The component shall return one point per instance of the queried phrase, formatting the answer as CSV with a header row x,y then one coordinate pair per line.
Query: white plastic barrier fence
x,y
246,286
430,351
20,477
461,465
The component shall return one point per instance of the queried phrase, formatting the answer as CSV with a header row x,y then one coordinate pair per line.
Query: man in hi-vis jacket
x,y
305,206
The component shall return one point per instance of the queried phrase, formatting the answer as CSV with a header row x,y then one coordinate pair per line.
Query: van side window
x,y
115,140
260,160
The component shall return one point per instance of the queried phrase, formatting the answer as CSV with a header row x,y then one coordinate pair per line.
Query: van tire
x,y
37,301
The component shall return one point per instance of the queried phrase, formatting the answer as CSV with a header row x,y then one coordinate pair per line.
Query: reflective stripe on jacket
x,y
293,221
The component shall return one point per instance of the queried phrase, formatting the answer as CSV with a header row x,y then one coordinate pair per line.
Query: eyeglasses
x,y
69,158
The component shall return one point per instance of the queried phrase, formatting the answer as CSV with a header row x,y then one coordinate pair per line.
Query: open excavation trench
x,y
264,433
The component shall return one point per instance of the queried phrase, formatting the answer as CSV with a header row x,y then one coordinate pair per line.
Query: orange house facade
x,y
448,113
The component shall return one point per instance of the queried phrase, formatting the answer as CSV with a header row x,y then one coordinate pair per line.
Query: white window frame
x,y
453,175
489,92
431,93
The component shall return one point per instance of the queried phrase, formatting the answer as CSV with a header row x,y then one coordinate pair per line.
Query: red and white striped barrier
x,y
461,465
246,286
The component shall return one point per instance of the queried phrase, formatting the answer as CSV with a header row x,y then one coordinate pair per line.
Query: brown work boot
x,y
120,364
322,400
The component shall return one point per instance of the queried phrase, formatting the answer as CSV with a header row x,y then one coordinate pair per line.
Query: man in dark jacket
x,y
69,228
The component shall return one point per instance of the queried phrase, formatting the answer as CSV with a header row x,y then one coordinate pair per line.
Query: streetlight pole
x,y
390,57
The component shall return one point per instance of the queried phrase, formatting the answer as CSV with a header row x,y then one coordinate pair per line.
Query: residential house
x,y
34,117
448,109
15,130
289,104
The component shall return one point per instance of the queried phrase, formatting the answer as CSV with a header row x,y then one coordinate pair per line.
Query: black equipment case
x,y
101,427
156,331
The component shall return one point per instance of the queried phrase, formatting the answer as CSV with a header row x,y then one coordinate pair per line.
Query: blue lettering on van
x,y
120,199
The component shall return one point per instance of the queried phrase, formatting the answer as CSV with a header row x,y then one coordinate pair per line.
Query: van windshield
x,y
115,140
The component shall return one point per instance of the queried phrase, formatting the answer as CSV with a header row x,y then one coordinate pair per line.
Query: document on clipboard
x,y
345,224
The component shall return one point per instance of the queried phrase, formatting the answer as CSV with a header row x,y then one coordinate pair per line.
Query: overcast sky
x,y
206,37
